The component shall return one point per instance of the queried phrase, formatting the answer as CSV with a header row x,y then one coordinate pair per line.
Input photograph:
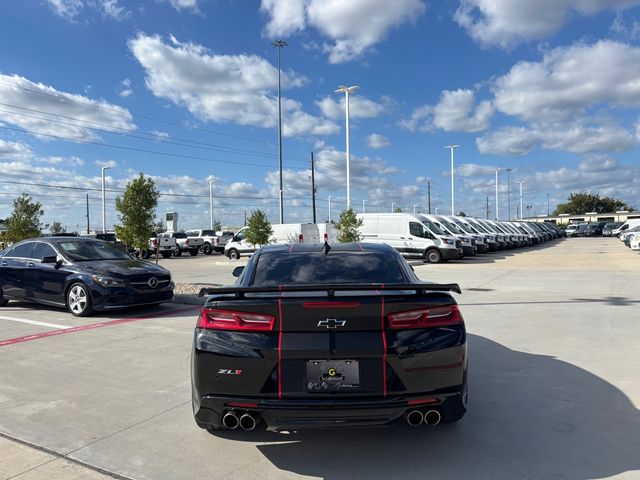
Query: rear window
x,y
284,268
179,235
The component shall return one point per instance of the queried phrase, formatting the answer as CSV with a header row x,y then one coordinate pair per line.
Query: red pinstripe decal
x,y
280,349
384,347
91,326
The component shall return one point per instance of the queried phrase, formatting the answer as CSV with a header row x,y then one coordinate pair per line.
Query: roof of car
x,y
336,247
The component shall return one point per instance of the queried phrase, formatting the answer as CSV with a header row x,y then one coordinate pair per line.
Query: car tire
x,y
206,249
177,252
3,301
166,254
79,300
193,252
234,254
433,256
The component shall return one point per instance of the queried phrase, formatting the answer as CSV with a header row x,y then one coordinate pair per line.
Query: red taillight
x,y
426,317
213,319
186,242
300,238
326,237
154,243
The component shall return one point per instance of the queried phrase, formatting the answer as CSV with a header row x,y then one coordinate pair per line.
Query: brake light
x,y
213,319
186,242
326,237
300,238
426,317
154,243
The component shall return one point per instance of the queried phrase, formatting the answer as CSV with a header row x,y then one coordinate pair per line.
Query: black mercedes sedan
x,y
318,336
80,274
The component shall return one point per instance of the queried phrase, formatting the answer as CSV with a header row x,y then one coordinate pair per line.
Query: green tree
x,y
24,221
258,228
159,227
397,210
56,227
581,203
137,208
462,214
348,225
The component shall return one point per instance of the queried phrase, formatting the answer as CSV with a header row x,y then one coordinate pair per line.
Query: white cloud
x,y
238,88
506,23
474,170
507,141
375,140
286,16
359,107
14,150
455,112
29,99
353,27
70,9
569,80
185,5
125,88
106,163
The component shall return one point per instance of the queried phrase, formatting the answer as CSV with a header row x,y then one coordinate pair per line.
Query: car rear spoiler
x,y
418,288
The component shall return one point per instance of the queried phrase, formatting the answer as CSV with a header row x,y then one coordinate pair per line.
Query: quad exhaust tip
x,y
432,418
248,422
230,420
415,418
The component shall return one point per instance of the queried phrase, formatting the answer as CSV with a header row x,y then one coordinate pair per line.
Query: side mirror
x,y
237,271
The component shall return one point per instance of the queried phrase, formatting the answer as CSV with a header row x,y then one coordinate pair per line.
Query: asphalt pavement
x,y
554,391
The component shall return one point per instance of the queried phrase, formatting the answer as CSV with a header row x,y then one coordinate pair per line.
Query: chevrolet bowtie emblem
x,y
332,323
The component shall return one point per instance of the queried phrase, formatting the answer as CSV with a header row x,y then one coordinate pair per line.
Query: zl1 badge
x,y
226,371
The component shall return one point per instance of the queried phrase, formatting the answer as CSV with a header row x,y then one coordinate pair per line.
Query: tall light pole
x,y
548,211
363,202
521,213
211,204
392,206
414,208
104,208
508,170
497,197
279,44
347,91
329,208
452,147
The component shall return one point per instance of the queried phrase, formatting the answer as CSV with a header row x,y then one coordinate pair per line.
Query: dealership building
x,y
566,219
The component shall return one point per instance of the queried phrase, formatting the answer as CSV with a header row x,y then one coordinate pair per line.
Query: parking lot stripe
x,y
91,326
33,322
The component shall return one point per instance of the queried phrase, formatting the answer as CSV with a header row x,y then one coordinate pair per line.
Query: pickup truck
x,y
185,244
212,242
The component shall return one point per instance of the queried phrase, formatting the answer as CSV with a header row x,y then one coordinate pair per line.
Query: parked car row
x,y
435,238
631,237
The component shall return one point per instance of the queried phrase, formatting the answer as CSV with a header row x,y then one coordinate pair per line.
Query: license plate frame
x,y
323,376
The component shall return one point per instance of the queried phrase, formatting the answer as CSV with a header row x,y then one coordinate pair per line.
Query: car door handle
x,y
402,238
4,264
31,264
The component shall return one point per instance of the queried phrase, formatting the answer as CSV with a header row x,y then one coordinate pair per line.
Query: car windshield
x,y
282,267
464,227
433,228
452,227
85,251
481,227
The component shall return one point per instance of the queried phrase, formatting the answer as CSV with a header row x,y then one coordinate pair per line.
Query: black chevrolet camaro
x,y
313,336
81,274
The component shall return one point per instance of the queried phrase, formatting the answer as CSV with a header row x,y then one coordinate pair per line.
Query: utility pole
x,y
429,193
548,204
508,170
210,204
363,202
414,208
487,209
313,188
329,208
393,207
279,44
104,208
452,147
497,197
88,227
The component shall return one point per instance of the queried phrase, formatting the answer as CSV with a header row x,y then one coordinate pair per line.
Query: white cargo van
x,y
282,233
411,235
469,242
626,226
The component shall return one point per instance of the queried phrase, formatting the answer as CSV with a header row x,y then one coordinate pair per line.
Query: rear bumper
x,y
329,413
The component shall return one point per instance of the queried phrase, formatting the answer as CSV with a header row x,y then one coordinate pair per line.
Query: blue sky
x,y
186,91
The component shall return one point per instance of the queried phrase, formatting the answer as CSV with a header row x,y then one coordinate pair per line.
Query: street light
x,y
211,204
280,44
521,212
329,208
497,198
363,202
509,170
392,206
104,209
548,204
453,209
347,91
414,208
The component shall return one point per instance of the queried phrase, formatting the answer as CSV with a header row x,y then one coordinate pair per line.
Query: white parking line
x,y
33,322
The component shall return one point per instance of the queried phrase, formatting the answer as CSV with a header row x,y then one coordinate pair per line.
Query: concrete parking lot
x,y
554,346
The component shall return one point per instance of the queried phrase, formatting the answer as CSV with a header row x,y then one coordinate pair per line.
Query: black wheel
x,y
3,301
79,300
433,256
193,252
234,254
206,249
166,254
177,252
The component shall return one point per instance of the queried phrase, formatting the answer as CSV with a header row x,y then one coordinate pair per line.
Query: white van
x,y
282,233
411,235
626,226
469,247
